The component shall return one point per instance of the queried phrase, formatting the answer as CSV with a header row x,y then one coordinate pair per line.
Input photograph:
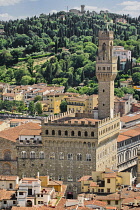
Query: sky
x,y
13,9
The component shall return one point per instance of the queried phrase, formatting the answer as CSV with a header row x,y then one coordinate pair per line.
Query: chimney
x,y
38,174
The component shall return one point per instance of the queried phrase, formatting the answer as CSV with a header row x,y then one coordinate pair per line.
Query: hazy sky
x,y
13,9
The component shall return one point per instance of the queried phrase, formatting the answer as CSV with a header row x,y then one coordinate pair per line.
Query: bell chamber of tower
x,y
106,71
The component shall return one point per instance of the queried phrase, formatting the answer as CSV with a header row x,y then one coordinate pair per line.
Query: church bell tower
x,y
106,71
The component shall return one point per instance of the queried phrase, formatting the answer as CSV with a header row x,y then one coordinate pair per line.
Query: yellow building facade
x,y
82,103
107,181
45,182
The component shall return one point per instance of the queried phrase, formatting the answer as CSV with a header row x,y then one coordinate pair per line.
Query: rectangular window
x,y
20,193
108,202
116,202
5,202
108,180
103,68
70,156
108,190
88,157
14,202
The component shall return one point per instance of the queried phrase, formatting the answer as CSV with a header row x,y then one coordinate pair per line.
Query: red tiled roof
x,y
130,118
31,132
93,184
84,178
12,134
5,194
122,138
8,178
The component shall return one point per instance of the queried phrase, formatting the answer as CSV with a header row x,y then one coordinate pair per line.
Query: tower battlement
x,y
106,35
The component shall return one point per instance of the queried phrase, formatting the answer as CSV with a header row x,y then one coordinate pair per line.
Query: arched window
x,y
10,186
79,133
66,133
41,155
104,50
7,155
88,157
52,155
70,156
61,156
79,157
92,133
69,178
23,154
72,133
53,132
86,133
32,154
59,133
47,132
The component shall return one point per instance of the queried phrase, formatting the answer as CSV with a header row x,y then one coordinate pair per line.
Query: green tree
x,y
30,63
31,108
37,98
63,106
16,53
25,80
38,108
136,78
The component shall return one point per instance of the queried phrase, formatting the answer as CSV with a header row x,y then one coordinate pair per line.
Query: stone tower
x,y
106,71
82,8
138,166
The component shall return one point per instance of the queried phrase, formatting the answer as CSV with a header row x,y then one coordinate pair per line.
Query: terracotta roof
x,y
113,196
93,184
122,138
8,178
54,182
130,118
31,132
5,194
111,207
9,94
131,132
19,120
12,134
29,179
96,202
84,178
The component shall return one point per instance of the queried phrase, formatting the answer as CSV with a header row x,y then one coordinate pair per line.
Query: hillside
x,y
61,48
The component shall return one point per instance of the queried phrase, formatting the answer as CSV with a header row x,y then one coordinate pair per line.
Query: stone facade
x,y
8,157
71,146
106,71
